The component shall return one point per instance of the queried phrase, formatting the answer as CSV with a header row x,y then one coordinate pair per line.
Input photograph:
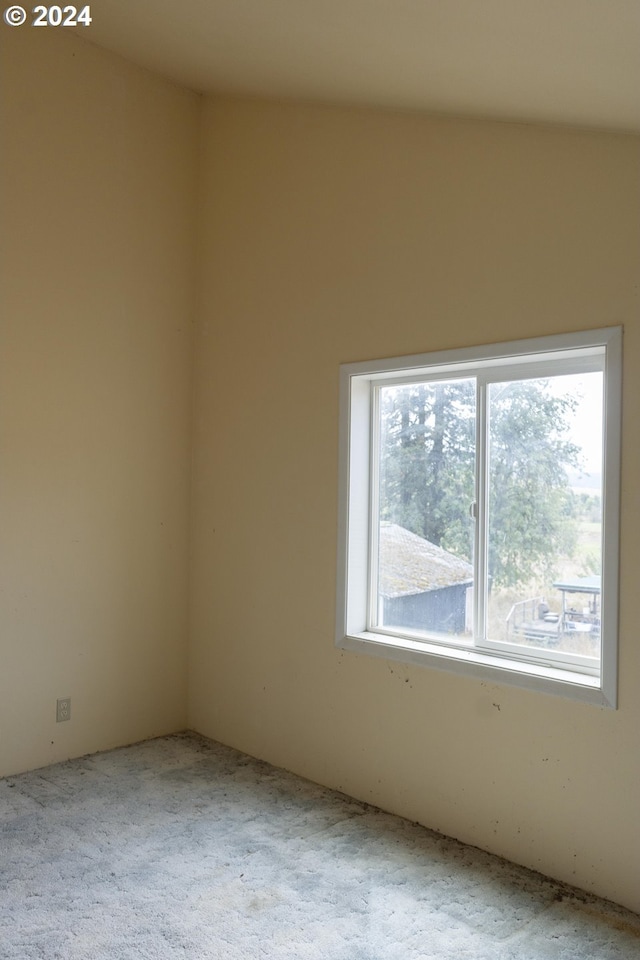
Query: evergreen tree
x,y
427,471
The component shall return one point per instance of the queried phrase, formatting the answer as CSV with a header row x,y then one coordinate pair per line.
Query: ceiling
x,y
558,61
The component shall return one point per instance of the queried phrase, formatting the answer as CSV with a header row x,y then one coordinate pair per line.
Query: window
x,y
479,511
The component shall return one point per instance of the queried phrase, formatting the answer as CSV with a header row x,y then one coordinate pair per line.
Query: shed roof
x,y
579,585
409,564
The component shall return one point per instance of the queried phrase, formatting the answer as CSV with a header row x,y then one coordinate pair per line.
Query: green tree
x,y
427,471
428,461
531,506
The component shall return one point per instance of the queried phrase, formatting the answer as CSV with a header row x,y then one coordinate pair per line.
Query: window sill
x,y
481,665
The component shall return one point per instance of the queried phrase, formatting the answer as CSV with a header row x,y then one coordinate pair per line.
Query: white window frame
x,y
535,669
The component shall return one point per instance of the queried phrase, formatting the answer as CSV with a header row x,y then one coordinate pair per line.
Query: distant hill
x,y
588,482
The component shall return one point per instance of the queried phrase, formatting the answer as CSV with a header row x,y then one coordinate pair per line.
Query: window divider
x,y
480,586
373,609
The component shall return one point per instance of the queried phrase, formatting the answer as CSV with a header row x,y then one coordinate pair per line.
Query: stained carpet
x,y
182,848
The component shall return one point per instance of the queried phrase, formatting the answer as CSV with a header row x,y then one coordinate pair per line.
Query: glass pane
x,y
426,490
545,512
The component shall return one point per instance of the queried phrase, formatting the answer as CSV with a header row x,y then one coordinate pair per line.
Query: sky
x,y
586,425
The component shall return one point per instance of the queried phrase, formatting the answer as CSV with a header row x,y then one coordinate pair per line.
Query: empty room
x,y
319,469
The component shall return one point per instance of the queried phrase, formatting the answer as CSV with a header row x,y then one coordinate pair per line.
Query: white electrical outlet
x,y
63,709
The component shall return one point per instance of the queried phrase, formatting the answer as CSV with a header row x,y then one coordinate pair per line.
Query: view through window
x,y
541,579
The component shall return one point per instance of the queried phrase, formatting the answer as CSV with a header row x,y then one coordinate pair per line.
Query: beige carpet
x,y
182,848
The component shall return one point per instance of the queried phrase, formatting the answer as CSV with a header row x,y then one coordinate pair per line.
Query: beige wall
x,y
98,176
337,235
